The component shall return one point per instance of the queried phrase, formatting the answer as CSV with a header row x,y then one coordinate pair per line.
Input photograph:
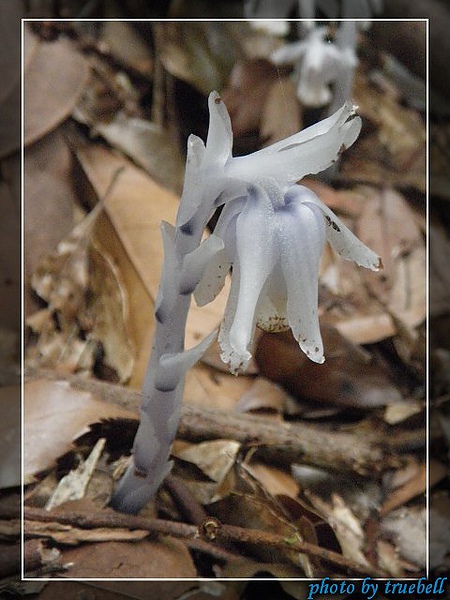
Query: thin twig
x,y
278,443
210,530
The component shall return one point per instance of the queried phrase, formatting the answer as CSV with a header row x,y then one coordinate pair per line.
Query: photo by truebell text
x,y
369,589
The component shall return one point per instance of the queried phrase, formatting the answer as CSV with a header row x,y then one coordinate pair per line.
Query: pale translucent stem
x,y
162,393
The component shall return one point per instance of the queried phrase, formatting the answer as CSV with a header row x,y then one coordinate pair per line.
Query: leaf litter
x,y
96,321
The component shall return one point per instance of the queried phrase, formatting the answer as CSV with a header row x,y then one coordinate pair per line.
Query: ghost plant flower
x,y
271,232
319,63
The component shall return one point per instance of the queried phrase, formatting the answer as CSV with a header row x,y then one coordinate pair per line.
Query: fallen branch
x,y
279,443
211,530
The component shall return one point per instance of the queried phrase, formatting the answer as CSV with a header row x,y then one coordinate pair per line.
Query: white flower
x,y
214,176
318,64
273,233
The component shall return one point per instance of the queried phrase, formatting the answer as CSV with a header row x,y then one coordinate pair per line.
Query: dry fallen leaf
x,y
55,77
54,415
346,525
347,378
201,54
163,558
394,152
86,308
72,536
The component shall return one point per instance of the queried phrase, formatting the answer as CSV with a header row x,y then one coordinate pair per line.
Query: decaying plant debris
x,y
293,470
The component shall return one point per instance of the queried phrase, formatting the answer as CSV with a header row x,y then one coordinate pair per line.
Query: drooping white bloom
x,y
318,63
273,233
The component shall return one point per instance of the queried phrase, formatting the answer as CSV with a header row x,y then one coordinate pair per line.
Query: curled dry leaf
x,y
110,310
215,459
346,525
86,307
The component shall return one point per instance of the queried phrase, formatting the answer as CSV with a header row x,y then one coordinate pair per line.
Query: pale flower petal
x,y
300,256
196,262
213,278
344,242
271,313
192,188
256,258
309,151
219,142
236,362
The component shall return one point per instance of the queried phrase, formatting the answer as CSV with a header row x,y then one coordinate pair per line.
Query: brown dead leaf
x,y
54,415
215,460
55,77
197,53
394,152
414,486
263,396
86,307
347,378
346,525
389,226
368,307
250,505
124,42
111,314
49,199
167,558
73,536
275,480
245,94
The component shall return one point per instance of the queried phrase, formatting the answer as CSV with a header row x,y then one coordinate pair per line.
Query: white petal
x,y
302,245
271,310
196,262
220,136
228,355
213,278
344,242
192,190
309,151
256,258
289,53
